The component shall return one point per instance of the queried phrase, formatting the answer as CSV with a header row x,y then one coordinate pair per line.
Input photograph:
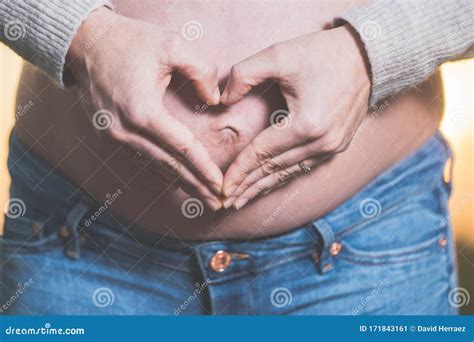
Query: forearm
x,y
406,41
41,31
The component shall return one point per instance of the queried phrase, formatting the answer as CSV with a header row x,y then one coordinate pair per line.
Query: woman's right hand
x,y
122,67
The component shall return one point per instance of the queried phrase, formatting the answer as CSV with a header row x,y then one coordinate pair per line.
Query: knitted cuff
x,y
406,41
41,31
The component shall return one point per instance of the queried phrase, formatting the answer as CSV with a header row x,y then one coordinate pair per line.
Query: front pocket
x,y
411,231
397,255
30,233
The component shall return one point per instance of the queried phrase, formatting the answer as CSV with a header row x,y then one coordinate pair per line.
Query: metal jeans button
x,y
335,248
220,261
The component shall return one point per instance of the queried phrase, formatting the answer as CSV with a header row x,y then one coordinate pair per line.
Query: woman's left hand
x,y
325,81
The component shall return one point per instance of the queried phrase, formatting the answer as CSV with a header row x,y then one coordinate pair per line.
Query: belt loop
x,y
325,259
70,231
449,163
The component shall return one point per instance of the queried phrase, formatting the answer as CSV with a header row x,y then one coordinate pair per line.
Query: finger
x,y
184,145
175,171
203,75
167,166
179,141
268,144
248,73
281,162
273,181
145,162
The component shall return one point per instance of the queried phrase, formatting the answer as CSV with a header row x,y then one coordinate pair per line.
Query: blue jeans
x,y
386,250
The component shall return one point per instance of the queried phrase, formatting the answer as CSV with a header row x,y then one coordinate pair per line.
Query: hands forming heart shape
x,y
323,78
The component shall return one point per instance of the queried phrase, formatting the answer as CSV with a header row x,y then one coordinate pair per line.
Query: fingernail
x,y
215,206
217,96
240,203
223,98
217,189
228,202
229,191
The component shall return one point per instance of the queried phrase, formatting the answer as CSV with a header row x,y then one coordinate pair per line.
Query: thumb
x,y
203,75
205,81
249,73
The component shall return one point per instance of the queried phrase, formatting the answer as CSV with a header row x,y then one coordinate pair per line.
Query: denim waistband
x,y
419,172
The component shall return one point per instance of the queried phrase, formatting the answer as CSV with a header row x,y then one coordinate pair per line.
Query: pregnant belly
x,y
58,131
223,130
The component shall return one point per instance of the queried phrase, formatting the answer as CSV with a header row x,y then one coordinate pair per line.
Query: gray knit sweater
x,y
405,40
41,31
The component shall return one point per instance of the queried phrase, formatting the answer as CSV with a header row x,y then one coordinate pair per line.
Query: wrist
x,y
356,53
87,36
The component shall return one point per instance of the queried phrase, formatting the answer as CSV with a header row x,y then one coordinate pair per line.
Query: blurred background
x,y
458,126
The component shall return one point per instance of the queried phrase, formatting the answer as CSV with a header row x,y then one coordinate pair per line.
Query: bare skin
x,y
58,128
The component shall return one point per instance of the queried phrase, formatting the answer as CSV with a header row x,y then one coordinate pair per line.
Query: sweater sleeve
x,y
41,31
406,41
